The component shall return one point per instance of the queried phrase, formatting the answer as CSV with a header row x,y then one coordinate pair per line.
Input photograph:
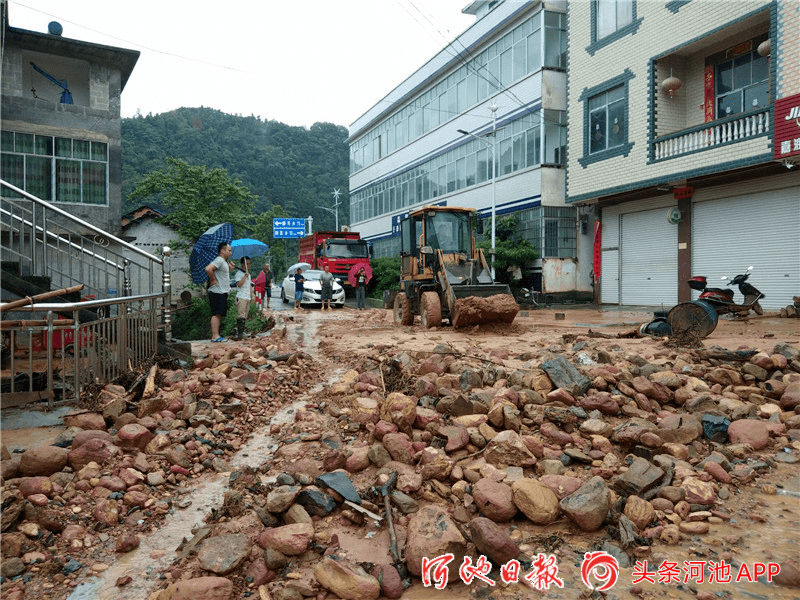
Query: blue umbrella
x,y
205,249
247,247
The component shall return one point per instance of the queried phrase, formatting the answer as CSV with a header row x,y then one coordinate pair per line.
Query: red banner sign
x,y
787,127
597,263
708,88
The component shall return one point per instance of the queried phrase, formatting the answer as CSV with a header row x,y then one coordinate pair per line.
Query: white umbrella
x,y
302,266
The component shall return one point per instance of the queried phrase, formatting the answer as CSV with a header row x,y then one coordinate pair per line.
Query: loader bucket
x,y
479,304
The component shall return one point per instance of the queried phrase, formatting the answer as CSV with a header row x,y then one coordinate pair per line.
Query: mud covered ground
x,y
296,430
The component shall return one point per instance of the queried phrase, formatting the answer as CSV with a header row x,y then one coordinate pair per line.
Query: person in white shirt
x,y
244,294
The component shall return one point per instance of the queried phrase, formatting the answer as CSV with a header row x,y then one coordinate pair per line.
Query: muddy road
x,y
319,411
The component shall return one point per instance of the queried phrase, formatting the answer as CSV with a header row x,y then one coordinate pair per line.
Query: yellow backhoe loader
x,y
444,275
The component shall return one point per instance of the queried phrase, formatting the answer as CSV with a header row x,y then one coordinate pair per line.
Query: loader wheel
x,y
402,310
430,311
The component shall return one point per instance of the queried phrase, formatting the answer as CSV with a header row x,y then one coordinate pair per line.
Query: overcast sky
x,y
294,61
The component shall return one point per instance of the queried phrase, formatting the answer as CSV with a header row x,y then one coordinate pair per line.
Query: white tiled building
x,y
410,149
680,145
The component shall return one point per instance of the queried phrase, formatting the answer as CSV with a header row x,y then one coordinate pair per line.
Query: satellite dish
x,y
55,28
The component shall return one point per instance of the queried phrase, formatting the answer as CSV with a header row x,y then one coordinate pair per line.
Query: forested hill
x,y
294,167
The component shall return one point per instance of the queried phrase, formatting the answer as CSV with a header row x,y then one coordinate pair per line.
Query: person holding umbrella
x,y
244,294
298,288
361,289
219,278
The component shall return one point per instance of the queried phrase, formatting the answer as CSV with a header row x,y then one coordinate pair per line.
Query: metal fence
x,y
55,350
53,355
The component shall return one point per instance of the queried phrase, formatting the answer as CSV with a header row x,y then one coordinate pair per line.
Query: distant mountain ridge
x,y
295,167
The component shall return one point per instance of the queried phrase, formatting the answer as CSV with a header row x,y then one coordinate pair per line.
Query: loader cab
x,y
449,231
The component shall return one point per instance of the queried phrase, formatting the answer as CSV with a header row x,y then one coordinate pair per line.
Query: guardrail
x,y
713,133
54,355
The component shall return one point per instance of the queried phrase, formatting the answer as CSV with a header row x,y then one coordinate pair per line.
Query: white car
x,y
312,289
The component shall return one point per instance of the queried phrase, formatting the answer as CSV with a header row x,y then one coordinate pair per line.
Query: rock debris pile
x,y
494,453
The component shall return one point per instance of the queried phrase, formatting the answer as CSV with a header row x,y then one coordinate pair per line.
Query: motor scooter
x,y
721,299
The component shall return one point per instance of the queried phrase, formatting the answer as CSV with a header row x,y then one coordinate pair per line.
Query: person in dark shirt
x,y
298,288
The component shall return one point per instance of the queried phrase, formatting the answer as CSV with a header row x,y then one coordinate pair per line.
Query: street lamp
x,y
493,146
336,193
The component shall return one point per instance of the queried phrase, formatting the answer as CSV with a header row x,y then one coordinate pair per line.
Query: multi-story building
x,y
60,118
497,91
683,143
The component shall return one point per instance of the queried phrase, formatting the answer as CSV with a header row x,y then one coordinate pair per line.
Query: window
x,y
56,169
612,15
538,41
742,84
611,21
606,120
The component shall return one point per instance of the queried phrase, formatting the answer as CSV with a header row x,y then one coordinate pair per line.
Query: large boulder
x,y
588,507
492,540
346,579
43,460
507,449
536,501
199,588
291,540
432,533
494,499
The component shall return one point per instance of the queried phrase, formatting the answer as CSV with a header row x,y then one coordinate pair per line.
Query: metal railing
x,y
711,134
125,289
56,358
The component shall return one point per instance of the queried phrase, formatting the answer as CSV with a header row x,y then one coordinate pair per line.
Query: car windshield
x,y
346,249
311,275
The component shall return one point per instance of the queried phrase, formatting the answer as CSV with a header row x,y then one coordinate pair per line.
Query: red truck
x,y
340,250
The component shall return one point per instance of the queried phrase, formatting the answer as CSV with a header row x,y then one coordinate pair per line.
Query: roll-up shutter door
x,y
759,229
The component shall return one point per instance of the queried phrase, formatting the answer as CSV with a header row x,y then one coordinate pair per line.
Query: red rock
x,y
43,460
199,588
85,420
698,492
30,486
106,512
457,437
389,578
717,472
749,431
127,542
494,499
382,428
291,540
601,401
399,447
94,450
431,533
561,485
84,436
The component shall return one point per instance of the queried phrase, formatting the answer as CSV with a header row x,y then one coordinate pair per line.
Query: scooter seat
x,y
724,291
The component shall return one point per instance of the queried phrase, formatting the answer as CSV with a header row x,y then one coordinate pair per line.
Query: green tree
x,y
511,249
195,198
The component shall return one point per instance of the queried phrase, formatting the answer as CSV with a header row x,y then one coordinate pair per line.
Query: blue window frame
x,y
605,120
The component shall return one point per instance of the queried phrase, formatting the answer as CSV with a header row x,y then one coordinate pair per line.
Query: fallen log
x,y
722,354
150,382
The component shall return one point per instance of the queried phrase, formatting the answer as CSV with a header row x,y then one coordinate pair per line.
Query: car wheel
x,y
402,310
430,312
283,297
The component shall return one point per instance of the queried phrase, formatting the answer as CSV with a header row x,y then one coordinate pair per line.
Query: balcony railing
x,y
714,133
